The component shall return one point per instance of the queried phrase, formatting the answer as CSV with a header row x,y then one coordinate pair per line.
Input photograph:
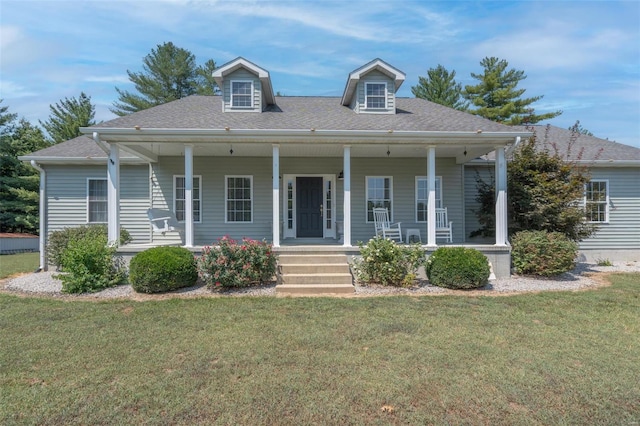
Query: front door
x,y
309,207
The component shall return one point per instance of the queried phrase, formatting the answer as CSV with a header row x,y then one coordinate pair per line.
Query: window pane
x,y
238,199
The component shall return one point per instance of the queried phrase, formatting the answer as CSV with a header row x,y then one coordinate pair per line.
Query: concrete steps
x,y
314,274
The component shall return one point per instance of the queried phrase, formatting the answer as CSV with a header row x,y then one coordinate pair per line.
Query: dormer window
x,y
242,94
376,95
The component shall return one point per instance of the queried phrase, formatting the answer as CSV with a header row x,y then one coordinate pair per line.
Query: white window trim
x,y
606,202
386,96
366,196
231,105
226,198
87,199
199,177
438,186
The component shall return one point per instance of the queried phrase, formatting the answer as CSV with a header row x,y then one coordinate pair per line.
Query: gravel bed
x,y
585,275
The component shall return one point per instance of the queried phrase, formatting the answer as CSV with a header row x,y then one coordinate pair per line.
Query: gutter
x,y
43,217
102,145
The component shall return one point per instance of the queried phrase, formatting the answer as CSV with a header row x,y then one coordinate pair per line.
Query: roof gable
x,y
376,65
220,73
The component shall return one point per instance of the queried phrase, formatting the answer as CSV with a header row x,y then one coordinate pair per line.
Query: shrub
x,y
90,265
59,240
457,268
162,269
387,263
543,253
234,264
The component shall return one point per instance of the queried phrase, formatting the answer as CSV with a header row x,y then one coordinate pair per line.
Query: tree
x,y
440,87
543,192
497,98
169,73
18,181
577,128
67,116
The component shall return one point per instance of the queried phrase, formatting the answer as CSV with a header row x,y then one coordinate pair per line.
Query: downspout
x,y
513,147
102,145
43,217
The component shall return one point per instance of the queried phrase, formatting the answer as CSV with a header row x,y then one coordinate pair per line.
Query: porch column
x,y
347,196
276,196
113,195
188,195
501,197
431,200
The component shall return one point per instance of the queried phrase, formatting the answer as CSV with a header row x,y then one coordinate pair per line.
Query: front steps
x,y
309,273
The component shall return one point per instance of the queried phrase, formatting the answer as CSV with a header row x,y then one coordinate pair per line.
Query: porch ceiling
x,y
217,149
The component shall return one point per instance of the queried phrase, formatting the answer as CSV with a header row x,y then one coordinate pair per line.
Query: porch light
x,y
231,150
341,175
388,151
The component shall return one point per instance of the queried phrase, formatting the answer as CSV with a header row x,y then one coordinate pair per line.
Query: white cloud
x,y
10,89
120,78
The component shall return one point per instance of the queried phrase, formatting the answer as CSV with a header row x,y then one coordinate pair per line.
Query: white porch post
x,y
501,197
276,196
188,195
113,195
431,200
347,196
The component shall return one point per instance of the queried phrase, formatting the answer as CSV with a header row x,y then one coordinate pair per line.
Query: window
x,y
379,194
179,206
239,198
596,201
97,200
376,95
241,94
422,196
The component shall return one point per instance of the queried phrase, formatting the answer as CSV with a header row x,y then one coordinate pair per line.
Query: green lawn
x,y
16,263
549,358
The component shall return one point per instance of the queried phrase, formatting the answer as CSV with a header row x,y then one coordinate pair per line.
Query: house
x,y
292,170
611,198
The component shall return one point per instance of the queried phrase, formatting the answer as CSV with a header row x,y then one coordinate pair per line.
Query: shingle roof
x,y
302,113
584,147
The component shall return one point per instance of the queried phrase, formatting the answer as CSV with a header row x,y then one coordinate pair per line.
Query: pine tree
x,y
18,181
169,73
67,116
497,98
440,87
577,128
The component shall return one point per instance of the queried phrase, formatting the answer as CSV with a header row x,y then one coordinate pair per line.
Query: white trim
x,y
366,96
199,177
606,202
438,187
251,95
366,196
106,201
226,199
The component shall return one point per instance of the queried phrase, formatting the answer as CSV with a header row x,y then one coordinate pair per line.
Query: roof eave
x,y
76,160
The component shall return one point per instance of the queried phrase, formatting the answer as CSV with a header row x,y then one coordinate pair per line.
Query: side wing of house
x,y
76,196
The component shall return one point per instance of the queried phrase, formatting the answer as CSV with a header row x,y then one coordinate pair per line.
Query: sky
x,y
582,56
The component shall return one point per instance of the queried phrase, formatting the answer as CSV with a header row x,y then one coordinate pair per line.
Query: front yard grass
x,y
11,264
548,358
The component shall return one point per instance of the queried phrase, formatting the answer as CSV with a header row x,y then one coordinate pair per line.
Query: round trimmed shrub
x,y
543,253
457,268
162,269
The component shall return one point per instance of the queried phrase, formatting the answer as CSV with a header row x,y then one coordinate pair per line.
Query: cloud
x,y
120,78
10,89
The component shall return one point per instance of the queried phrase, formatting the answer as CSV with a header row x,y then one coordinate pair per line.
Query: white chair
x,y
384,228
164,221
444,227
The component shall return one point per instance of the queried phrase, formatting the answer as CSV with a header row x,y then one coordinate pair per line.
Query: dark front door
x,y
309,207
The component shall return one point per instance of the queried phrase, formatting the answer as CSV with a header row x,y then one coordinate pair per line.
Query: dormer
x,y
372,88
245,86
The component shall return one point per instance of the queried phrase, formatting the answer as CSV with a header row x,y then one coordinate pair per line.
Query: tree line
x,y
170,73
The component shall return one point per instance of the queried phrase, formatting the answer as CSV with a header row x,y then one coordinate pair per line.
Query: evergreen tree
x,y
19,182
67,116
497,97
440,87
577,128
169,73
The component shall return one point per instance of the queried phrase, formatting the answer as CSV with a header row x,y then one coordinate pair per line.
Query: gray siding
x,y
242,74
377,77
67,197
623,229
214,169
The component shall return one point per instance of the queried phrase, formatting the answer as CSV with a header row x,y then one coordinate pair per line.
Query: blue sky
x,y
583,56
